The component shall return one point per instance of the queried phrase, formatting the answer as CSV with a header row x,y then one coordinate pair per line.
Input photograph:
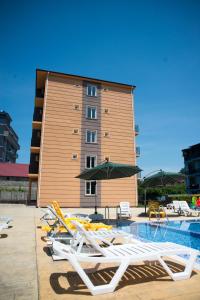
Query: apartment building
x,y
77,123
192,167
8,139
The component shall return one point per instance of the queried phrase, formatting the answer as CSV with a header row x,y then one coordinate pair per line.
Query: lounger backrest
x,y
153,205
61,221
184,205
57,209
125,207
88,237
176,204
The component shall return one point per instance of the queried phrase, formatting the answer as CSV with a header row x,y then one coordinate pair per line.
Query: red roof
x,y
14,170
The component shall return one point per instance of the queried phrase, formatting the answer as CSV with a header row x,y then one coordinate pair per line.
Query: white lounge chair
x,y
176,206
125,255
78,243
52,220
124,210
3,226
187,211
47,216
5,221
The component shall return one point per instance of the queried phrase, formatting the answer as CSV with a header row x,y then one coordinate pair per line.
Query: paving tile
x,y
58,281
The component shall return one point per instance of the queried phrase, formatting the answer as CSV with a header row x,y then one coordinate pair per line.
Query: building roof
x,y
192,147
14,170
85,78
5,114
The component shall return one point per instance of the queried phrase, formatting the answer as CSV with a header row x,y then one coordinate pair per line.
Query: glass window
x,y
90,188
90,161
91,112
91,90
91,136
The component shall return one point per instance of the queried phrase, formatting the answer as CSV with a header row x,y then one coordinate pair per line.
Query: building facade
x,y
192,167
8,139
77,123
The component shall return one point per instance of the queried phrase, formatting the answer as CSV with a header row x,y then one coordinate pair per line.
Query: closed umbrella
x,y
108,170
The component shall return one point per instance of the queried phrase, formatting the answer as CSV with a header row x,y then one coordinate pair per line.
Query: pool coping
x,y
177,257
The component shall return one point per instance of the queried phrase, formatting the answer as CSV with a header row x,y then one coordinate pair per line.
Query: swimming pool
x,y
184,232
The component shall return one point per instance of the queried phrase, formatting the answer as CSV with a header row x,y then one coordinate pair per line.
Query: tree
x,y
153,193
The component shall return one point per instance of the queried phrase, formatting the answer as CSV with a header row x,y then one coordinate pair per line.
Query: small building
x,y
14,183
13,174
192,167
77,123
8,139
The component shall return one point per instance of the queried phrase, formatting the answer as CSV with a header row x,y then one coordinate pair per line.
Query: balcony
x,y
40,93
137,130
39,98
137,149
34,168
33,177
192,171
36,125
34,163
36,138
37,116
194,186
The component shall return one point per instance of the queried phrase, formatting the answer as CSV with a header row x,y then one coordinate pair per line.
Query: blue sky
x,y
152,44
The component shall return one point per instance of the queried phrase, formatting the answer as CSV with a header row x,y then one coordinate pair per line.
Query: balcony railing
x,y
137,129
194,186
37,116
137,151
192,170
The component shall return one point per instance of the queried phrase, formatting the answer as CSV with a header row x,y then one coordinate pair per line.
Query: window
x,y
91,136
91,112
90,188
91,90
90,161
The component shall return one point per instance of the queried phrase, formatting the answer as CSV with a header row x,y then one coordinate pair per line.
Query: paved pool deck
x,y
27,271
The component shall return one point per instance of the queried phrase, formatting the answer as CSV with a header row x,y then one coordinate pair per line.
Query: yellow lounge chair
x,y
86,223
155,210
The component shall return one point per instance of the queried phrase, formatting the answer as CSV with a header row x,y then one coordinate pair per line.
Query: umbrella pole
x,y
95,208
145,201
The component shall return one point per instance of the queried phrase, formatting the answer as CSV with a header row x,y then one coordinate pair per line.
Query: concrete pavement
x,y
18,263
27,271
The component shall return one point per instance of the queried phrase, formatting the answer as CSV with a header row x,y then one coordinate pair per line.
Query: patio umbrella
x,y
162,179
108,170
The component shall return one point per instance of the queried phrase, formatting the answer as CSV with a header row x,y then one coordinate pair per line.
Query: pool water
x,y
186,233
186,225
